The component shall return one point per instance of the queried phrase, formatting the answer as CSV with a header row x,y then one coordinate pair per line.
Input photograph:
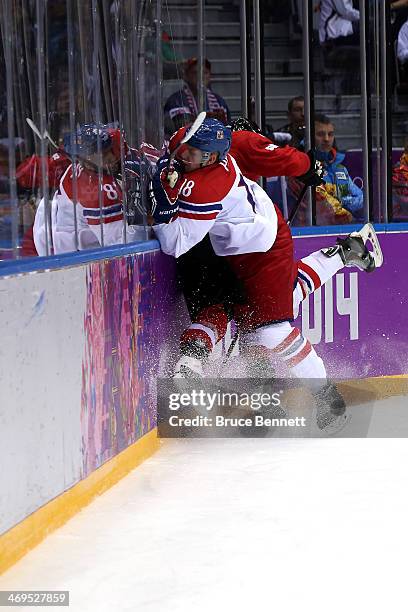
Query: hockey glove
x,y
314,176
134,182
218,114
244,124
164,190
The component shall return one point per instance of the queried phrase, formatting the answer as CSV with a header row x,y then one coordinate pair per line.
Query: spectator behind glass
x,y
338,200
182,107
398,31
339,22
296,125
400,187
402,52
340,39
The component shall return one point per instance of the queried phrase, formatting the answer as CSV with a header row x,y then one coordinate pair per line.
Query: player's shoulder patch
x,y
271,147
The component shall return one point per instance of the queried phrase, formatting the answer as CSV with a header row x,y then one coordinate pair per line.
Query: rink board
x,y
81,349
358,321
90,335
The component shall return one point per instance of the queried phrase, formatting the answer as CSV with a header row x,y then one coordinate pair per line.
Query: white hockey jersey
x,y
235,211
91,216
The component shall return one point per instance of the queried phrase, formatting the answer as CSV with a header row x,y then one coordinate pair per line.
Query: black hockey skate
x,y
353,250
331,414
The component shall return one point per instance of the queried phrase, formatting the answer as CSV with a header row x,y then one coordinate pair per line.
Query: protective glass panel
x,y
397,45
284,89
201,50
80,95
336,118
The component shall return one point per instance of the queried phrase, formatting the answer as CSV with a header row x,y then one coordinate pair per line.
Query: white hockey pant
x,y
289,346
313,272
287,342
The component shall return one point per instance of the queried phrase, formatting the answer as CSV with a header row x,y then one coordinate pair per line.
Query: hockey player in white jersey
x,y
87,209
212,196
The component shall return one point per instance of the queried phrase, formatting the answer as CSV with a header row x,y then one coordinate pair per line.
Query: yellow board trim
x,y
19,540
358,390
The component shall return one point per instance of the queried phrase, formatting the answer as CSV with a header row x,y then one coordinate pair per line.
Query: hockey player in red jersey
x,y
213,197
29,172
29,178
256,155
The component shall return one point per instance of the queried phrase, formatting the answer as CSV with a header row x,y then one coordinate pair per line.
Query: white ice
x,y
240,524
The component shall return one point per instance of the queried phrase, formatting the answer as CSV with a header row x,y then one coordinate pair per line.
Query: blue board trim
x,y
11,267
346,229
67,260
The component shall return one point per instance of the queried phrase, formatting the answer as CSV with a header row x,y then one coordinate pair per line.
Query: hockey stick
x,y
296,207
229,352
193,129
232,346
44,136
172,176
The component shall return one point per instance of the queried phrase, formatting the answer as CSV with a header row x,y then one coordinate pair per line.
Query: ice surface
x,y
231,525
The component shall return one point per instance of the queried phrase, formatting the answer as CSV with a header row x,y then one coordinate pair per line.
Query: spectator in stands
x,y
399,33
338,200
340,39
399,4
400,187
182,107
339,22
296,125
402,53
337,179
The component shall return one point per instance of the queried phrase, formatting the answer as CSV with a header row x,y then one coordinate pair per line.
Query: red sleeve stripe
x,y
294,348
288,341
202,217
301,285
291,363
94,221
314,277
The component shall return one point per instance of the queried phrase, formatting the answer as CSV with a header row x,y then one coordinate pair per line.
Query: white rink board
x,y
41,330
